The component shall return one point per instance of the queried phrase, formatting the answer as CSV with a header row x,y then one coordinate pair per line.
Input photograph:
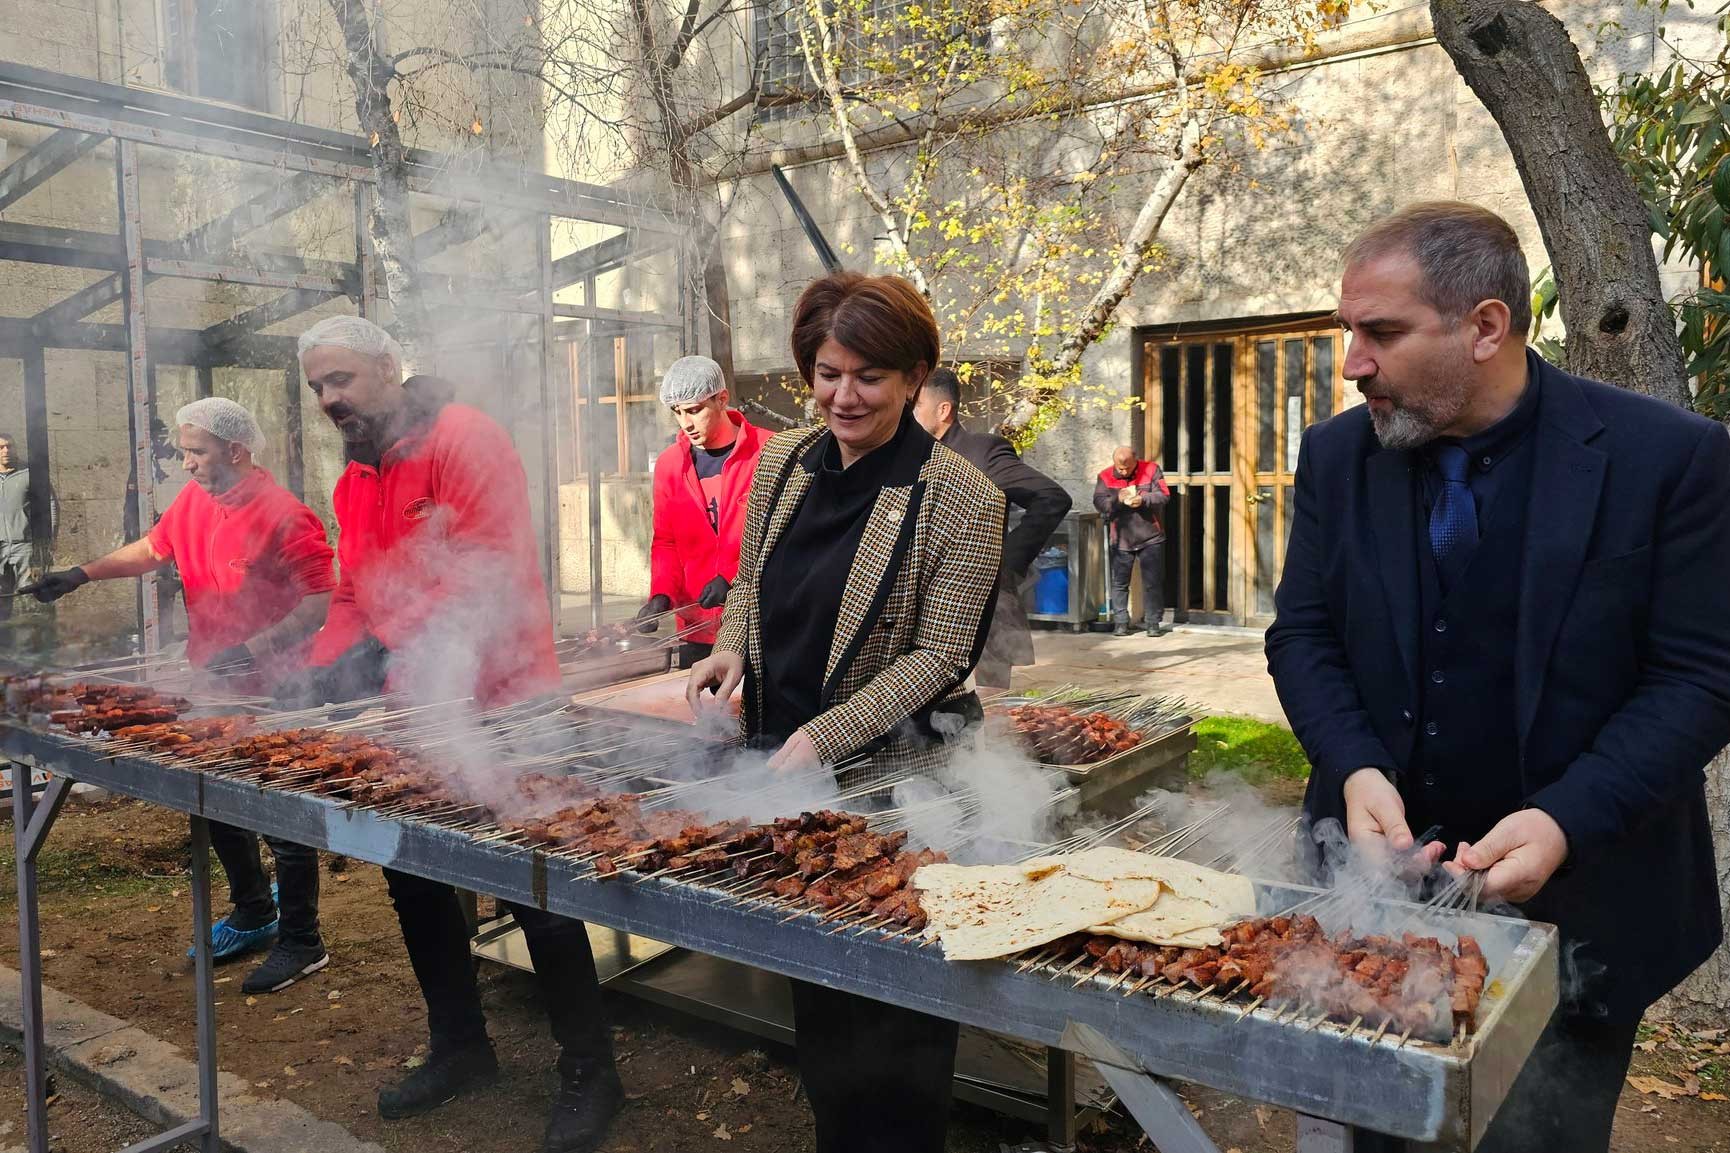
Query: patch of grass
x,y
1253,749
80,872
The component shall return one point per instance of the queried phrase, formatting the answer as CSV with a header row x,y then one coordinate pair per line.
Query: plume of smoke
x,y
988,802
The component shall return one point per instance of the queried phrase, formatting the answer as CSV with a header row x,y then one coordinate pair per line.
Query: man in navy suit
x,y
1505,610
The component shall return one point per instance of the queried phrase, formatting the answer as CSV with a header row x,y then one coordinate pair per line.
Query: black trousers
x,y
1564,1100
437,937
249,888
879,1076
690,652
1152,559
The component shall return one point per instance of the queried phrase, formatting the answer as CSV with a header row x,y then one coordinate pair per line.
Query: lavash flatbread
x,y
986,911
1199,902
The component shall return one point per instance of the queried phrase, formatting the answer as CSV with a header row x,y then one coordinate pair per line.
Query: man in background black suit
x,y
1042,502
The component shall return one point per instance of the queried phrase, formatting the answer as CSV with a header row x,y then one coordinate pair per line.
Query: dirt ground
x,y
115,910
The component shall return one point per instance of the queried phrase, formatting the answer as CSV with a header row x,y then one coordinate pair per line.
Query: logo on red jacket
x,y
419,508
240,563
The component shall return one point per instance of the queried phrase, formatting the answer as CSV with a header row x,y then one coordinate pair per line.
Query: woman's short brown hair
x,y
881,318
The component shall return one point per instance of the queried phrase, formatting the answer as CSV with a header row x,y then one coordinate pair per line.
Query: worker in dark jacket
x,y
1042,502
1503,611
1130,496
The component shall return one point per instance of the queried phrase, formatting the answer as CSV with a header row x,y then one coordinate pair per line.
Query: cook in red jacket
x,y
701,482
255,569
441,595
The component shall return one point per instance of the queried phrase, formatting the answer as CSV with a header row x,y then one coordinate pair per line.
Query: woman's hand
x,y
722,670
796,755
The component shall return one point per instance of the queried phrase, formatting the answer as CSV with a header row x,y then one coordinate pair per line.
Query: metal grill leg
x,y
1315,1135
30,824
1060,1097
204,978
1159,1111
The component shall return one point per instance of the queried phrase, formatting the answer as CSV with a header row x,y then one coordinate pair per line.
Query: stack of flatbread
x,y
981,911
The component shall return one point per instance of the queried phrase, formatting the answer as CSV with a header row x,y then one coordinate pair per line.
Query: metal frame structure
x,y
1342,1078
84,113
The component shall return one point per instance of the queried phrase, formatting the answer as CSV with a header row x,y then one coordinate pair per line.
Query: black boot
x,y
1120,629
448,1072
588,1098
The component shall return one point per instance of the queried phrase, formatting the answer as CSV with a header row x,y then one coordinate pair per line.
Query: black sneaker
x,y
1156,630
446,1074
285,965
583,1110
1120,630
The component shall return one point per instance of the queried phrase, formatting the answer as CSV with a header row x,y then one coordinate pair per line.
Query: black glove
x,y
714,594
653,608
360,672
57,584
233,661
303,690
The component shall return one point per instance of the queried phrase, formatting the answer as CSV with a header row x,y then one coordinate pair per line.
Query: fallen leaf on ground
x,y
721,1134
704,1116
49,953
1713,1097
346,1062
1708,1034
333,995
252,1000
262,1084
1647,1045
1263,1115
153,908
741,1087
1668,1090
288,1071
745,1128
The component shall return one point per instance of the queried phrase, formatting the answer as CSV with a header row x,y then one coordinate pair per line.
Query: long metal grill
x,y
1356,1072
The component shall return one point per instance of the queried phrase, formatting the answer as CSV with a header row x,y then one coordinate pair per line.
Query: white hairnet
x,y
225,420
355,333
690,379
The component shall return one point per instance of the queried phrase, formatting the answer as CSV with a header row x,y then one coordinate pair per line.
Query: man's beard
x,y
1441,398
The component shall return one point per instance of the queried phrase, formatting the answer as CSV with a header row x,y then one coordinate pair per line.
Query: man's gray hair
x,y
1467,255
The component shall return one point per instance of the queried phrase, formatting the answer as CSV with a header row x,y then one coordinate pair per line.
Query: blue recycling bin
x,y
1051,584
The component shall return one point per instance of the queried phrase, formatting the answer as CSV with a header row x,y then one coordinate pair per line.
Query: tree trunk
x,y
1133,252
1522,65
388,223
719,311
1701,1000
1520,62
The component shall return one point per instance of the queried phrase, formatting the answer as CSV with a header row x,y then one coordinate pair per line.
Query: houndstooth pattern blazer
x,y
915,611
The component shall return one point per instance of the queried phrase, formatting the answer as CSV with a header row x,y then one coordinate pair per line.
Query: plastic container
x,y
1051,582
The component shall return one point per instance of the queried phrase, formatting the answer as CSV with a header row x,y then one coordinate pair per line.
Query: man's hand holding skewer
x,y
1522,852
1376,821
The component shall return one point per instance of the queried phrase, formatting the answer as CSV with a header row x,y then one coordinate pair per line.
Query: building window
x,y
631,426
223,50
775,33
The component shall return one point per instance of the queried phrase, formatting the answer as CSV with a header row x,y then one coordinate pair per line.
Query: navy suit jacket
x,y
1621,658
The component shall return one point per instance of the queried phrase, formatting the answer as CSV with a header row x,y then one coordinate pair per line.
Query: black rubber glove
x,y
653,608
233,661
360,672
303,690
714,594
56,585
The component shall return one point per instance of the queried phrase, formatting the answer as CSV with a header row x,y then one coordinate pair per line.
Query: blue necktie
x,y
1454,516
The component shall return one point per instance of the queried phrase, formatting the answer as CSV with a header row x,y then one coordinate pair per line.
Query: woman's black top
x,y
805,578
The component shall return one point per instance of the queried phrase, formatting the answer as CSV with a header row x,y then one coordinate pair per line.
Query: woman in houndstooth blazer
x,y
866,580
